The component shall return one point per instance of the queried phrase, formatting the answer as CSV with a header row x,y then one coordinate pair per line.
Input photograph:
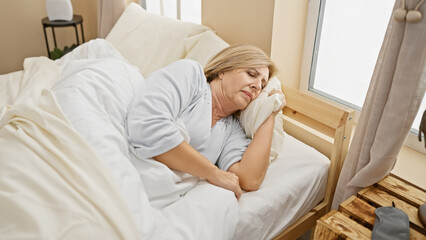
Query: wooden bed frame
x,y
328,129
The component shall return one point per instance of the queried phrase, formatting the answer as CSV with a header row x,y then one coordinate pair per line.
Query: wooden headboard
x,y
325,127
328,129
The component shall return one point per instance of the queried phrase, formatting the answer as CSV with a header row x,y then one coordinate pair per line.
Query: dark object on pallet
x,y
390,223
422,214
422,127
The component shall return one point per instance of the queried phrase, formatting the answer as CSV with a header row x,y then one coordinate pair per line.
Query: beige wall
x,y
22,32
276,26
411,165
240,21
288,39
236,21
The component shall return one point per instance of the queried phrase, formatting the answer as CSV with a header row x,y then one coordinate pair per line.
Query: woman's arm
x,y
252,167
186,159
251,170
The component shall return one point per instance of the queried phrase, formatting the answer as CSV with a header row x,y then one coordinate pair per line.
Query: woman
x,y
184,118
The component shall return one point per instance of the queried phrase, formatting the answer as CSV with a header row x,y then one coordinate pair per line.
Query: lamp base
x,y
59,10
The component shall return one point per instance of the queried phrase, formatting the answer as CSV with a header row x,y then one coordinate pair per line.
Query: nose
x,y
256,85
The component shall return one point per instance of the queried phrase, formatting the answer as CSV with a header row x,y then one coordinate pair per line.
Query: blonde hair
x,y
238,56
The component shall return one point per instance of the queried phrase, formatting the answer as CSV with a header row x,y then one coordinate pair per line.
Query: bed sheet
x,y
294,184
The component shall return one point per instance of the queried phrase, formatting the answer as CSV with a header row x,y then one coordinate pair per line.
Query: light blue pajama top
x,y
175,104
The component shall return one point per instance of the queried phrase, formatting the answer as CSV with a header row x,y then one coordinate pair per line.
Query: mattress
x,y
294,184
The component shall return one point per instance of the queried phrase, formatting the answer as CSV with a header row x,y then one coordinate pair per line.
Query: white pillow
x,y
204,46
151,41
259,110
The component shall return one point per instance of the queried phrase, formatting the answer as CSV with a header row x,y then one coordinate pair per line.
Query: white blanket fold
x,y
52,184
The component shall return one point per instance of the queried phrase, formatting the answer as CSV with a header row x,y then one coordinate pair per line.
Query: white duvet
x,y
94,90
92,93
52,184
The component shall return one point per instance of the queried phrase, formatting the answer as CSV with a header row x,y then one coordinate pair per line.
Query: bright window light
x,y
348,40
190,10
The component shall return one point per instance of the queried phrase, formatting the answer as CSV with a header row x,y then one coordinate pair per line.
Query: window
x,y
185,10
345,40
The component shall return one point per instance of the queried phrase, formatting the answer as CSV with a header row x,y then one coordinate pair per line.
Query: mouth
x,y
249,95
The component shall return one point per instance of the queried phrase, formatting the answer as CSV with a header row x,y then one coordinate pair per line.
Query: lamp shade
x,y
59,10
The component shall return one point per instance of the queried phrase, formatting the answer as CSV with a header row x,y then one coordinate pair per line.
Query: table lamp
x,y
59,10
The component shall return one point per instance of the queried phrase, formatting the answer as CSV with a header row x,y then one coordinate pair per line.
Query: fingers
x,y
283,104
238,192
235,182
237,189
228,181
275,91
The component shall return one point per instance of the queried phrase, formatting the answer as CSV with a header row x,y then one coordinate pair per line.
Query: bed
x,y
67,171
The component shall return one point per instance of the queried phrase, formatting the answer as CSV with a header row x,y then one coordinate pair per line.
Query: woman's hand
x,y
284,101
227,180
186,159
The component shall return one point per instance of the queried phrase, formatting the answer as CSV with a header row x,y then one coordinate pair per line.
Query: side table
x,y
77,19
355,217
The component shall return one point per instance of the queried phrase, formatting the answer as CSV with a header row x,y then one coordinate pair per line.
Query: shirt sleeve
x,y
152,127
235,145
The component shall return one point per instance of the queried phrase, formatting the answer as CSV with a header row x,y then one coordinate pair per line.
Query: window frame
x,y
315,17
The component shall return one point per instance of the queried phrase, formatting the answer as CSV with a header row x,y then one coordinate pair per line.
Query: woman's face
x,y
243,85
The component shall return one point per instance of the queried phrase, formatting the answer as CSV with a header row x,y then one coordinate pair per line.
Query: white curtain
x,y
108,13
393,99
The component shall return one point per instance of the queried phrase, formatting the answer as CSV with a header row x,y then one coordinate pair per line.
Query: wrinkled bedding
x,y
95,92
73,173
52,184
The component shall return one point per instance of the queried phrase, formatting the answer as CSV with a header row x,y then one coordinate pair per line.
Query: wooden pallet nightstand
x,y
355,217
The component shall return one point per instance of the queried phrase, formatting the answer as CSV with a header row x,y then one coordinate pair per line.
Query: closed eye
x,y
251,74
254,74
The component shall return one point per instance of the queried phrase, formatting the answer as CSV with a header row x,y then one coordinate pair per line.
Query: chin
x,y
243,104
243,107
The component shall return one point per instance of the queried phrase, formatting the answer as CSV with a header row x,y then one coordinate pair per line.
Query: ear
x,y
220,75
